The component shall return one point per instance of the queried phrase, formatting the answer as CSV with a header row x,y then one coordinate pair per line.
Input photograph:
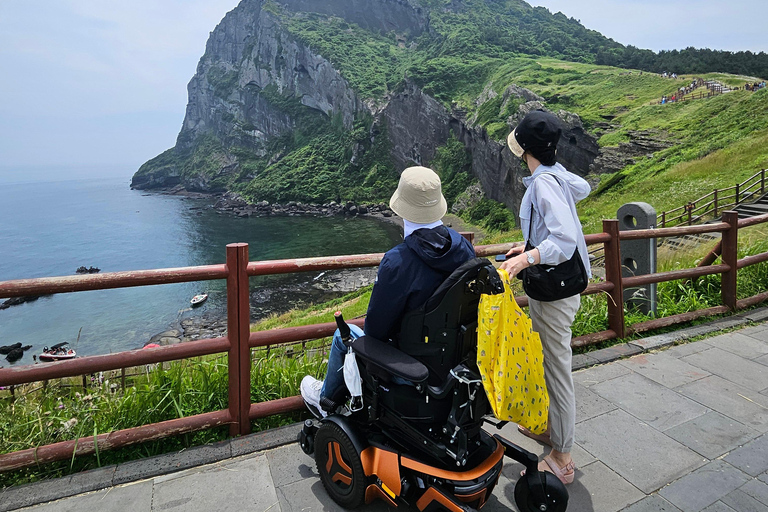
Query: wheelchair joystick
x,y
344,331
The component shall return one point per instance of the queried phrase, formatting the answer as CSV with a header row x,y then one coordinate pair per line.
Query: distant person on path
x,y
549,222
408,274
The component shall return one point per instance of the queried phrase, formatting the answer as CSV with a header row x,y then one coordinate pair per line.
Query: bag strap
x,y
530,224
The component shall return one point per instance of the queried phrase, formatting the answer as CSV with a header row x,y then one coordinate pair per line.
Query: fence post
x,y
663,219
238,332
737,194
715,202
730,257
762,181
613,274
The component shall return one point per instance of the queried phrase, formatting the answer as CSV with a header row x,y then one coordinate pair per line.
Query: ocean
x,y
50,228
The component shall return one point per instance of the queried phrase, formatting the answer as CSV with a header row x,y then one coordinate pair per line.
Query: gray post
x,y
638,257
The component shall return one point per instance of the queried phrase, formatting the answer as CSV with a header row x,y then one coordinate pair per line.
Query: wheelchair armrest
x,y
390,359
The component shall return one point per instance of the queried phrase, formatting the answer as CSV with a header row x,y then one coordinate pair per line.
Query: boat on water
x,y
199,299
59,352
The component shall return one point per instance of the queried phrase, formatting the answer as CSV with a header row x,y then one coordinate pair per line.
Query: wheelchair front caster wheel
x,y
554,491
306,437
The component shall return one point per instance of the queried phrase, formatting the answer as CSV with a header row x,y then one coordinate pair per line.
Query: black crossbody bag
x,y
547,283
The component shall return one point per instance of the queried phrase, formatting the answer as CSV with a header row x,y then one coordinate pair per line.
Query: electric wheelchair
x,y
416,440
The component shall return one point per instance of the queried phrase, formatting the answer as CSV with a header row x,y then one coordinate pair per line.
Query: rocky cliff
x,y
258,83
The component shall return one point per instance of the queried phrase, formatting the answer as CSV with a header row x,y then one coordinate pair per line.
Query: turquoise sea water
x,y
52,228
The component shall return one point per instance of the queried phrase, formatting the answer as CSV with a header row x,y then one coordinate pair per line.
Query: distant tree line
x,y
688,61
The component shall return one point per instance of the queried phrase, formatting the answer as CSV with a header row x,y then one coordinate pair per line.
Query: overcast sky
x,y
99,86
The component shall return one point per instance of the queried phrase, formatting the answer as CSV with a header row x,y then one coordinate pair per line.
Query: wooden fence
x,y
240,341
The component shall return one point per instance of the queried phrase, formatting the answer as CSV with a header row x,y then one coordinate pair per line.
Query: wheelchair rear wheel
x,y
339,466
554,490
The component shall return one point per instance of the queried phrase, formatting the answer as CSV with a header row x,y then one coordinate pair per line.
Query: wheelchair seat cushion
x,y
390,359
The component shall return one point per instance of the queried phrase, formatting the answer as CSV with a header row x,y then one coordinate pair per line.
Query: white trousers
x,y
553,320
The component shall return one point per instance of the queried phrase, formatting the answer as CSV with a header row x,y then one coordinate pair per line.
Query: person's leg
x,y
552,320
334,376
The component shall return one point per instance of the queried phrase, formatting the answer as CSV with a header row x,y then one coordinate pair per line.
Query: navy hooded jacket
x,y
410,273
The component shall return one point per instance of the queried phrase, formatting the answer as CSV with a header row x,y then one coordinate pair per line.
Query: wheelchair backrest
x,y
443,332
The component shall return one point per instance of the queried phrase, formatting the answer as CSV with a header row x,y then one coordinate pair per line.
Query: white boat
x,y
58,352
199,299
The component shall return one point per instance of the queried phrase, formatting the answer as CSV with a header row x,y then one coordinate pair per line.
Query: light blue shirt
x,y
556,230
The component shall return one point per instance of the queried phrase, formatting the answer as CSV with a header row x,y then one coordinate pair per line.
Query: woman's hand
x,y
516,249
514,265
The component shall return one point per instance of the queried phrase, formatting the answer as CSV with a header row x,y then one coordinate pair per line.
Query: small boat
x,y
199,299
58,352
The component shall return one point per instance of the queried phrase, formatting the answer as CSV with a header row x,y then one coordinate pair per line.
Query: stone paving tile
x,y
596,488
743,502
652,503
687,349
598,374
756,315
752,458
756,489
762,360
580,456
742,371
639,453
290,464
503,497
740,344
240,484
744,405
309,495
135,496
649,401
666,370
589,404
718,506
704,486
712,434
758,334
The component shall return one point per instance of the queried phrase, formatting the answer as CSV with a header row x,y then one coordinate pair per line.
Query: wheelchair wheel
x,y
339,465
554,490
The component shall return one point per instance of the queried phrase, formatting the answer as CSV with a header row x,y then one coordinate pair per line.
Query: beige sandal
x,y
542,438
565,474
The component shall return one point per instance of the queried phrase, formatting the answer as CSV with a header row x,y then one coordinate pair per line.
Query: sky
x,y
98,87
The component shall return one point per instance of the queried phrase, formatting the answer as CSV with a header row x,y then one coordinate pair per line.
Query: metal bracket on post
x,y
238,333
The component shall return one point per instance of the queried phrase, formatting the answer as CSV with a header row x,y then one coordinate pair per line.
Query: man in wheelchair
x,y
407,276
417,438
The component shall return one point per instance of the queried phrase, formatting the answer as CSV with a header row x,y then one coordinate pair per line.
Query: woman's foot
x,y
542,438
565,473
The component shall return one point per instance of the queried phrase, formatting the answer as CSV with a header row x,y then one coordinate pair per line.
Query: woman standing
x,y
552,228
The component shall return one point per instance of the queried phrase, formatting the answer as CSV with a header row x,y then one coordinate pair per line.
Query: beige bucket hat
x,y
419,197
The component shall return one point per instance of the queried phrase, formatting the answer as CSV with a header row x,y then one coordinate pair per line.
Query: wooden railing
x,y
713,204
239,340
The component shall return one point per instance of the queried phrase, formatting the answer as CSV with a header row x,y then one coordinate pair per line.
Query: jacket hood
x,y
440,247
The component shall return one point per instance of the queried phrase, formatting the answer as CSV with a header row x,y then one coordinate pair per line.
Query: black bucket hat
x,y
538,133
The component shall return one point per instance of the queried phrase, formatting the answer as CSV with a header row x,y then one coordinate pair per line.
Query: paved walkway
x,y
678,429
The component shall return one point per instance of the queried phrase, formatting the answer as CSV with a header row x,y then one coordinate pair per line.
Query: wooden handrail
x,y
239,340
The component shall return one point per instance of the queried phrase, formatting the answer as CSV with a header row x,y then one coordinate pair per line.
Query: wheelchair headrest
x,y
478,275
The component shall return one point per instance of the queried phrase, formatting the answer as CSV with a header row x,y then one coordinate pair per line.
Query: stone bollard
x,y
638,257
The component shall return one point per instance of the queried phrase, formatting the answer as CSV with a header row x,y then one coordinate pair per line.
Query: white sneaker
x,y
310,392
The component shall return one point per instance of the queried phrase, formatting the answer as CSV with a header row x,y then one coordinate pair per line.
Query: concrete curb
x,y
132,471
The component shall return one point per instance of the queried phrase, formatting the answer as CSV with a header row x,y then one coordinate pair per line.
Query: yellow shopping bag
x,y
511,361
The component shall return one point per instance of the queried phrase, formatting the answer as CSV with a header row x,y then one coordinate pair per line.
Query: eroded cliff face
x,y
255,74
418,125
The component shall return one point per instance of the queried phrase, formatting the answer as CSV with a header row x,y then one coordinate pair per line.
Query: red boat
x,y
58,352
